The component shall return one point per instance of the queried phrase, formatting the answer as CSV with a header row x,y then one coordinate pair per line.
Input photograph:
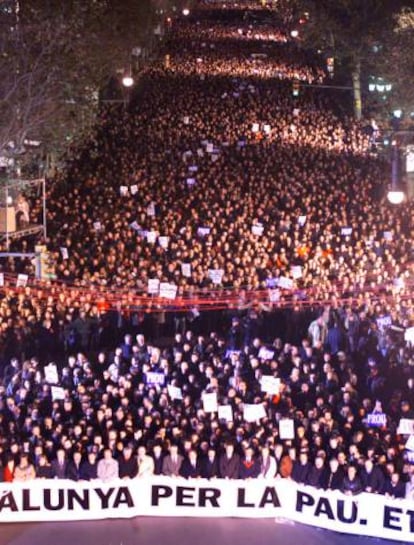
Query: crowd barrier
x,y
63,500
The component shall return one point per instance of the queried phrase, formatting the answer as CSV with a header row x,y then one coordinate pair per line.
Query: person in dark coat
x,y
334,476
229,463
317,473
372,477
60,464
209,465
249,465
191,466
44,469
158,459
352,483
89,468
301,468
128,465
73,469
394,487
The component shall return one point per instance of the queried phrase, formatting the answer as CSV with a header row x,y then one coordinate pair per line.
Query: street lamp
x,y
294,33
395,194
186,12
128,81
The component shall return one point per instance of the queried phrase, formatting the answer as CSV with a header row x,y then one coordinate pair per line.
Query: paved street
x,y
171,531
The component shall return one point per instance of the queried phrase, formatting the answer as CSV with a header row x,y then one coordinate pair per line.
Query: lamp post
x,y
395,193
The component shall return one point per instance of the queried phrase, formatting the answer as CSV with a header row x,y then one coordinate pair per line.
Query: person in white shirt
x,y
145,463
108,467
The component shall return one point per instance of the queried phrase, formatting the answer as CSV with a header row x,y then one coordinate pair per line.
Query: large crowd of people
x,y
218,177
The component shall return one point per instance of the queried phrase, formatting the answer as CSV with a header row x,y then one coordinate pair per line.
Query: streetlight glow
x,y
395,196
186,12
294,33
127,81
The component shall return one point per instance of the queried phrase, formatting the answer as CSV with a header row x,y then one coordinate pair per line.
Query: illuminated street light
x,y
395,196
186,12
294,33
128,81
397,113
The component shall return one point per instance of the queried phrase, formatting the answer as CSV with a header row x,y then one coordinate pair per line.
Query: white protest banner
x,y
255,127
296,271
51,374
376,420
253,412
97,225
409,445
154,379
270,385
210,404
58,393
54,500
151,209
64,253
151,237
285,283
1,279
190,182
153,286
203,231
265,353
168,291
134,189
163,242
257,229
174,392
406,426
123,190
286,428
22,280
225,412
193,168
346,231
216,275
267,129
409,335
301,220
186,270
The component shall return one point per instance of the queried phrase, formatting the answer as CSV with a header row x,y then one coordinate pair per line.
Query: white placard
x,y
257,229
274,296
134,189
186,120
265,353
270,385
97,225
135,226
286,428
409,445
216,275
151,209
301,220
151,237
406,426
203,231
51,374
123,190
296,111
346,231
64,253
387,235
190,182
58,393
209,147
210,404
255,127
157,379
193,168
296,271
225,412
267,129
22,280
200,152
174,392
1,279
409,335
285,283
163,242
186,269
153,286
253,412
168,291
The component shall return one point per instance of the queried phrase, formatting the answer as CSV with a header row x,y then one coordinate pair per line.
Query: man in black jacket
x,y
209,465
128,465
89,468
301,468
372,477
229,463
191,467
335,476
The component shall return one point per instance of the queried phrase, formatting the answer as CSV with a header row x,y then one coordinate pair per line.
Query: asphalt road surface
x,y
176,531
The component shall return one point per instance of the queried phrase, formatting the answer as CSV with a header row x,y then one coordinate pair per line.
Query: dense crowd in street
x,y
216,177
